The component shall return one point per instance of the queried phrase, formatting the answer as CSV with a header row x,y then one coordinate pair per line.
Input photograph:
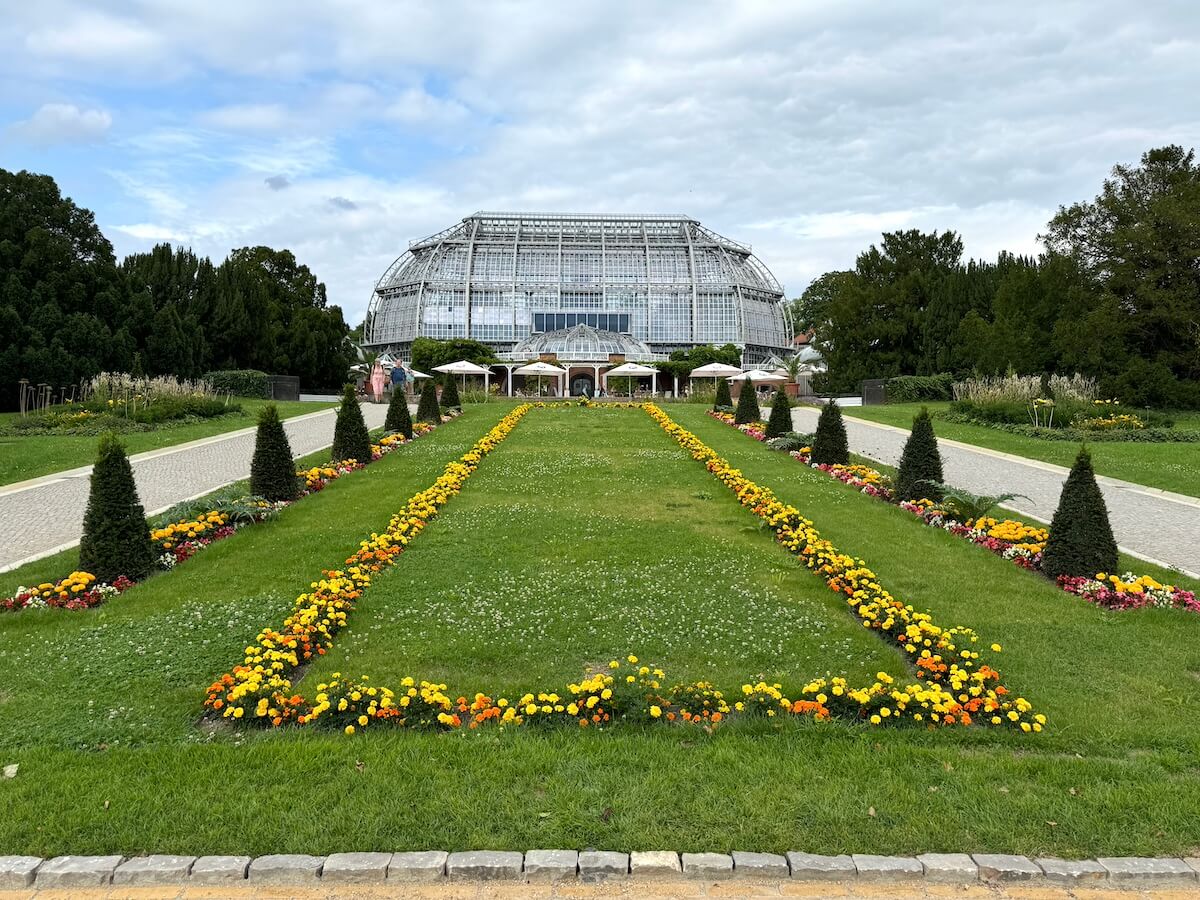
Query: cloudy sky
x,y
342,129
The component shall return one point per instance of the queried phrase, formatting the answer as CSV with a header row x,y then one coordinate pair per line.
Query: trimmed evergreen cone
x,y
427,409
920,470
350,437
724,402
747,406
272,471
1081,541
830,447
116,538
780,422
398,417
450,394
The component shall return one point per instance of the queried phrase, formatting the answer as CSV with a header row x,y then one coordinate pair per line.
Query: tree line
x,y
69,309
1115,295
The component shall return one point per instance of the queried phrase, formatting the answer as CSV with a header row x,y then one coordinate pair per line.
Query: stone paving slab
x,y
1137,871
356,868
422,865
551,865
711,866
219,869
157,869
77,871
1145,521
48,516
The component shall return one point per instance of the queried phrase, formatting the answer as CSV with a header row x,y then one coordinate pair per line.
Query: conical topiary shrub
x,y
920,470
747,406
398,417
780,422
350,437
450,394
116,538
724,402
272,471
830,447
1081,541
427,409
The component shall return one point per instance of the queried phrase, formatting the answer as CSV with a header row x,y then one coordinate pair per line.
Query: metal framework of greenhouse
x,y
501,277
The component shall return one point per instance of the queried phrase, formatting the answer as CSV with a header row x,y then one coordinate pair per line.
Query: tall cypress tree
x,y
747,406
427,409
780,422
116,538
350,437
921,464
272,471
724,402
450,398
398,417
830,446
1081,541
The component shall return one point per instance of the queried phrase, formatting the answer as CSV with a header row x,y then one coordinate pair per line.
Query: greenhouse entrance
x,y
583,384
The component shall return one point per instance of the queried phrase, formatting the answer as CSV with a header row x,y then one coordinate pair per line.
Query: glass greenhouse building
x,y
585,288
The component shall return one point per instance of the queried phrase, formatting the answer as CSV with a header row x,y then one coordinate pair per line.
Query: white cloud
x,y
253,117
86,36
804,128
63,123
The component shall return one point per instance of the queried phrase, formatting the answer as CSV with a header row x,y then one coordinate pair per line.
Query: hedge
x,y
240,383
918,388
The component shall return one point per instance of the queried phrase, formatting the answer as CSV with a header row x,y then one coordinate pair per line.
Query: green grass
x,y
23,457
1172,467
100,709
625,546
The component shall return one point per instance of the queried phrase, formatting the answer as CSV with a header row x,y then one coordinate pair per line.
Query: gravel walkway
x,y
44,515
1157,525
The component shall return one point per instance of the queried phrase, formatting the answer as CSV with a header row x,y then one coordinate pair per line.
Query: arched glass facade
x,y
502,277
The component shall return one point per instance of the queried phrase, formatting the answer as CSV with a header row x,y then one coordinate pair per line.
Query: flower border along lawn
x,y
1115,775
1168,466
954,687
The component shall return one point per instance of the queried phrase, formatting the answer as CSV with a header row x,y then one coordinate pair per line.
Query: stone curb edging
x,y
590,866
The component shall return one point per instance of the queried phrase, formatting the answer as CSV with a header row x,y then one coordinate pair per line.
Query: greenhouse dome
x,y
649,284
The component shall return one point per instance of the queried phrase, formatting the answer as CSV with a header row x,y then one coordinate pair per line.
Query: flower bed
x,y
180,541
1012,539
956,687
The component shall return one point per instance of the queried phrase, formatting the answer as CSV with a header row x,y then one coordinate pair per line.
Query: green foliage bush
x,y
747,409
351,440
1081,541
723,401
398,417
450,398
918,388
427,408
920,470
780,422
116,538
830,446
272,469
240,383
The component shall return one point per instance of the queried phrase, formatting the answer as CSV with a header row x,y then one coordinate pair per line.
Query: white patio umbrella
x,y
539,369
464,368
414,374
714,370
757,375
630,370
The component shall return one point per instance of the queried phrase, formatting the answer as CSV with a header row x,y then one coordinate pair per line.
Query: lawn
x,y
23,457
586,534
1172,467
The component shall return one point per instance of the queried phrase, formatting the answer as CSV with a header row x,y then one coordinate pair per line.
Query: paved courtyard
x,y
1155,524
44,515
